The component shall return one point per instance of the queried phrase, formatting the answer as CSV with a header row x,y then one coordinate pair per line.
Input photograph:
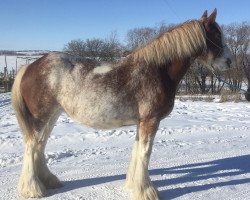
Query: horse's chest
x,y
161,105
167,108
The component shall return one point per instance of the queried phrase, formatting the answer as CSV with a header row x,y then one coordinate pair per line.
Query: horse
x,y
137,90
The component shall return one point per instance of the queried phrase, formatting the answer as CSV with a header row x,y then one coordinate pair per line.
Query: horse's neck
x,y
177,69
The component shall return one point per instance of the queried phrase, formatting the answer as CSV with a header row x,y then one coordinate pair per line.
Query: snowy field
x,y
201,151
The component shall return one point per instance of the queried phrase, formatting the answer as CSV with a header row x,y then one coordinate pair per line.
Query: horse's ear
x,y
211,19
204,16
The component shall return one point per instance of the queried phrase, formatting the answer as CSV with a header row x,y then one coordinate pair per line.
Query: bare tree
x,y
76,47
246,65
112,48
238,39
108,49
163,27
138,37
94,48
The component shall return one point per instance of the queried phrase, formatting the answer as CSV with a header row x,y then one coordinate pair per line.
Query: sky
x,y
50,24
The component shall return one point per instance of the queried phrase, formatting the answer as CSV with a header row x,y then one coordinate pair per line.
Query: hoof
x,y
52,182
149,193
31,188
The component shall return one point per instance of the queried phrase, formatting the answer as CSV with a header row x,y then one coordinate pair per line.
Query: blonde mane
x,y
183,41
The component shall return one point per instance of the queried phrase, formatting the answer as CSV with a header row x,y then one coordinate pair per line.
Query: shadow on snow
x,y
189,173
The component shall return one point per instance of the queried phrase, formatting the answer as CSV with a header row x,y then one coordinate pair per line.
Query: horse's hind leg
x,y
36,176
29,183
49,180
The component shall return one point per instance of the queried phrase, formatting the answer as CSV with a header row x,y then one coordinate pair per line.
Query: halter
x,y
205,31
231,85
205,36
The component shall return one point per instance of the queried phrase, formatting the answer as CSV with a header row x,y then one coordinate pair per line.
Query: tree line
x,y
107,49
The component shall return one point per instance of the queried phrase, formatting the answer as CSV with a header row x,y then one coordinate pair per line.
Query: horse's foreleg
x,y
132,165
131,168
29,182
143,188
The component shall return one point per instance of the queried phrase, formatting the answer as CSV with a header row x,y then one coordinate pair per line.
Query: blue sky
x,y
50,24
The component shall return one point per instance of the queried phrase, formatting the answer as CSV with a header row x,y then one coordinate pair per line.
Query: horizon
x,y
50,25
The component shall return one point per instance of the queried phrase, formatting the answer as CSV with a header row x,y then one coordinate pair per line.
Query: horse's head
x,y
218,55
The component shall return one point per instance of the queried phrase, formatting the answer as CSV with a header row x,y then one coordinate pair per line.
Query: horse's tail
x,y
19,106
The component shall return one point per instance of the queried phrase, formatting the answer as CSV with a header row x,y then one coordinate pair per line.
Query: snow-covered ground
x,y
201,151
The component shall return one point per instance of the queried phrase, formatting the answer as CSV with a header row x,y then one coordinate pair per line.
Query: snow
x,y
201,151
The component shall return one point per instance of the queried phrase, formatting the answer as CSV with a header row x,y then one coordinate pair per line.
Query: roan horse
x,y
139,90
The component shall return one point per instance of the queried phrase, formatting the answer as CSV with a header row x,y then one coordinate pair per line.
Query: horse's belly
x,y
102,116
108,124
99,107
105,121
